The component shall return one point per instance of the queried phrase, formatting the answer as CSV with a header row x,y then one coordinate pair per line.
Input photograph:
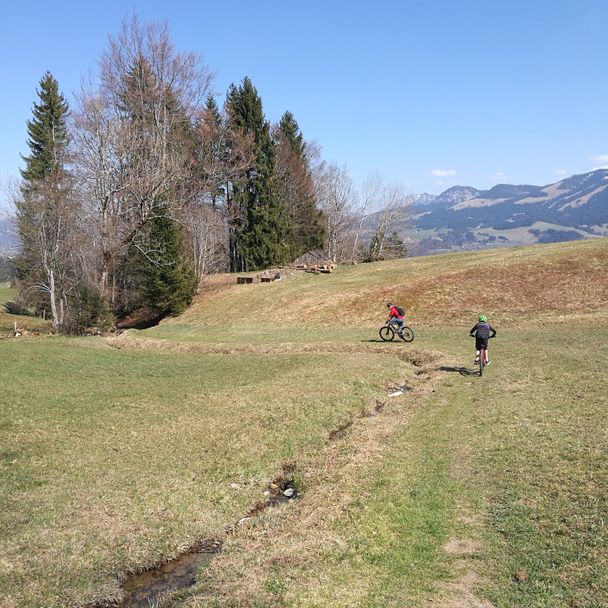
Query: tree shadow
x,y
463,371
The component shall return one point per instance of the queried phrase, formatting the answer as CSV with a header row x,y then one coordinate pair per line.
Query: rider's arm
x,y
473,329
493,331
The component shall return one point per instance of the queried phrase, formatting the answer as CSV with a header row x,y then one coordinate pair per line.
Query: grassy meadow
x,y
7,321
119,453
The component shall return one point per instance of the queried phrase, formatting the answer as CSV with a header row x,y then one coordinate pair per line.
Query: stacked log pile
x,y
324,268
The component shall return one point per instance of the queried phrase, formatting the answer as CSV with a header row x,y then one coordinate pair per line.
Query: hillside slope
x,y
512,285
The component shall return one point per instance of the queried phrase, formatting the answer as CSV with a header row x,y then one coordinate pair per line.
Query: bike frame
x,y
407,334
483,358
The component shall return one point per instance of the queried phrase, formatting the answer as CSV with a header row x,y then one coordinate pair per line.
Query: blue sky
x,y
430,93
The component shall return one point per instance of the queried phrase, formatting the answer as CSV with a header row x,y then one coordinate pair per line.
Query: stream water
x,y
145,589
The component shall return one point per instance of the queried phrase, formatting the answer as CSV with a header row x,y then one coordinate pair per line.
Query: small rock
x,y
241,521
289,492
234,486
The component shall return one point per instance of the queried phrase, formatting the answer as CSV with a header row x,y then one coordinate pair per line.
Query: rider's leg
x,y
397,325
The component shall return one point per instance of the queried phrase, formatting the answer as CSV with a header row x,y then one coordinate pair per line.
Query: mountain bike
x,y
483,358
388,333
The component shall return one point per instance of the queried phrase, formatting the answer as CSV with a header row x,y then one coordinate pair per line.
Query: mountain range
x,y
8,236
466,218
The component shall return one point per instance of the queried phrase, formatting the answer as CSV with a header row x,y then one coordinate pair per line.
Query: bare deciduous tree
x,y
47,214
221,155
134,140
208,238
394,212
337,198
371,198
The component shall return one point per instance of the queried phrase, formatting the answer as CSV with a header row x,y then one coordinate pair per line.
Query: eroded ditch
x,y
144,589
151,586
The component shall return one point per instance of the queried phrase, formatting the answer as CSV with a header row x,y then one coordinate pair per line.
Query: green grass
x,y
6,293
542,447
116,458
7,321
113,459
395,533
512,465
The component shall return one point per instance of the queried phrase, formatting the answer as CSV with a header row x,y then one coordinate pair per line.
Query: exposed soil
x,y
340,432
142,318
461,546
459,593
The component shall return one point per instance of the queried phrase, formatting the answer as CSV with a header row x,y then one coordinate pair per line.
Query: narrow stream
x,y
145,589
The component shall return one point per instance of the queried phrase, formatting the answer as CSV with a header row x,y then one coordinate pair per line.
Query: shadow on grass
x,y
463,371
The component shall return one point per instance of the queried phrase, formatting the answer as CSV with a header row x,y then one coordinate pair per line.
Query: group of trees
x,y
130,198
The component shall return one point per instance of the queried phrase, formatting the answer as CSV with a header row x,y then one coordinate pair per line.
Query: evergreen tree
x,y
260,232
48,134
46,210
213,150
161,277
296,186
382,247
290,130
395,247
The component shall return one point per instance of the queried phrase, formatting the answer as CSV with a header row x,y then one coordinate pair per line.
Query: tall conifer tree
x,y
260,232
47,134
296,186
46,210
212,148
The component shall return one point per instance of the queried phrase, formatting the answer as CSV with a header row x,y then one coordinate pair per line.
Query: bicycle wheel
x,y
387,333
407,334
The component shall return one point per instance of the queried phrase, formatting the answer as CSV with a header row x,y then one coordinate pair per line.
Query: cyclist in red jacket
x,y
395,316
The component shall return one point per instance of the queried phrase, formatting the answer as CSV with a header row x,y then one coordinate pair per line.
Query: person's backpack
x,y
400,310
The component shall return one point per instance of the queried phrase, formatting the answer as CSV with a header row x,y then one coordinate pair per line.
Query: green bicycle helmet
x,y
483,319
